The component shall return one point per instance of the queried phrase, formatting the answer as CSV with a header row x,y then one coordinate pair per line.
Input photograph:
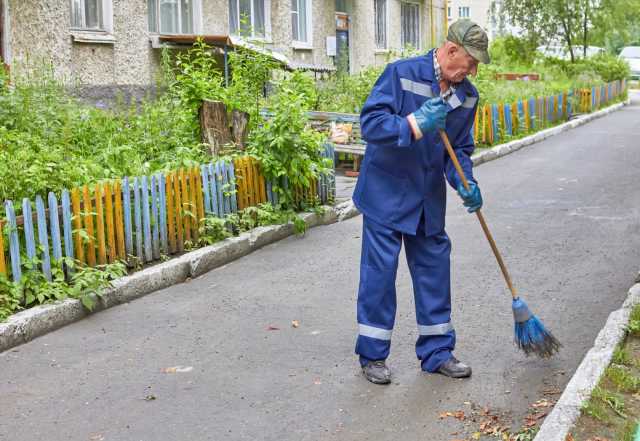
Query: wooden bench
x,y
322,121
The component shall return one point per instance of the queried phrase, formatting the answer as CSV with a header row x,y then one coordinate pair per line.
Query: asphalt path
x,y
566,215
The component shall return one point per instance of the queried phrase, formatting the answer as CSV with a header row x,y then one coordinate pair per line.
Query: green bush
x,y
285,145
605,66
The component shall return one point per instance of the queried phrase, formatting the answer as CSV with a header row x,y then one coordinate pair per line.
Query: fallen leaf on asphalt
x,y
542,403
272,328
458,414
96,437
476,435
150,398
569,437
317,381
295,323
177,369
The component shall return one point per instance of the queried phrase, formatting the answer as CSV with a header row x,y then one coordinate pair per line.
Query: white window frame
x,y
197,19
6,42
419,21
386,26
298,44
267,21
107,17
462,9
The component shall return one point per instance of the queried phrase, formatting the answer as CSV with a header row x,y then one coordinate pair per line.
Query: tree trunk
x,y
240,121
214,125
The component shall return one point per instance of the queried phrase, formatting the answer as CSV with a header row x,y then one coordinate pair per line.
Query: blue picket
x,y
43,238
126,208
213,188
495,121
54,225
593,98
521,121
14,243
234,194
220,196
532,113
146,221
137,219
66,225
569,108
507,120
155,228
560,114
163,214
205,189
29,236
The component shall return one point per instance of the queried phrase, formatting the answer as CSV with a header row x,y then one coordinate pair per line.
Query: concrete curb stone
x,y
512,146
567,410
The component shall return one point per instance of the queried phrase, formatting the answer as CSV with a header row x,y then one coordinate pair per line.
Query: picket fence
x,y
494,122
141,217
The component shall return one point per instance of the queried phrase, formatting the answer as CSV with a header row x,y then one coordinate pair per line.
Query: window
x,y
301,21
87,14
341,5
173,16
249,18
410,15
449,11
380,7
463,11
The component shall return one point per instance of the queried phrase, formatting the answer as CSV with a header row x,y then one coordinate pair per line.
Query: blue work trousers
x,y
428,259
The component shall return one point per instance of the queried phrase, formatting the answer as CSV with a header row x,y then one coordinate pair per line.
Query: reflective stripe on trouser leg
x,y
377,290
428,259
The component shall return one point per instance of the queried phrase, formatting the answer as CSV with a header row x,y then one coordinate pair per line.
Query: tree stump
x,y
214,125
240,122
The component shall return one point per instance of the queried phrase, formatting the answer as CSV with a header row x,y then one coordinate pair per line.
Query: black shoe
x,y
454,368
377,372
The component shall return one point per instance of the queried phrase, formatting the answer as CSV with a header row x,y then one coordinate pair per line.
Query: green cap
x,y
472,37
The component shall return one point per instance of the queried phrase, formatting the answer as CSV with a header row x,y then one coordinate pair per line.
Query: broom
x,y
530,334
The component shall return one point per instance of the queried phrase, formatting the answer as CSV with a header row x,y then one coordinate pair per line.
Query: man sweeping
x,y
401,192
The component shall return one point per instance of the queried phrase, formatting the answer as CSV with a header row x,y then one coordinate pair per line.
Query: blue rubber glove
x,y
472,199
431,115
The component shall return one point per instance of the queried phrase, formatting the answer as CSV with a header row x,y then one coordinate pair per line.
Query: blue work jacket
x,y
402,179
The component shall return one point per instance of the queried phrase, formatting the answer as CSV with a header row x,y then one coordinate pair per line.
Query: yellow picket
x,y
171,214
121,252
490,123
178,210
102,247
501,120
88,226
186,202
476,125
199,194
109,215
77,224
193,202
527,116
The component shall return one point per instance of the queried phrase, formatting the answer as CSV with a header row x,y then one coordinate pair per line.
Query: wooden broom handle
x,y
483,223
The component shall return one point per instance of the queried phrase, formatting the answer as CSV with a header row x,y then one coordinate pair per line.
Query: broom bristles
x,y
530,334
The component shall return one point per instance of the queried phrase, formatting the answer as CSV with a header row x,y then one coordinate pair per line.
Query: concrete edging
x,y
512,146
565,413
33,322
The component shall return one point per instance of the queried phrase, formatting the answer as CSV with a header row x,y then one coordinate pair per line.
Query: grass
x,y
613,409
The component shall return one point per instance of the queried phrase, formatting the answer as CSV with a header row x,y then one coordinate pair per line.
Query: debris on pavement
x,y
295,323
177,369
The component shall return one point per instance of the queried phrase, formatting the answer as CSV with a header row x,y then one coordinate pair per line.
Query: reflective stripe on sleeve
x,y
370,331
440,329
469,102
